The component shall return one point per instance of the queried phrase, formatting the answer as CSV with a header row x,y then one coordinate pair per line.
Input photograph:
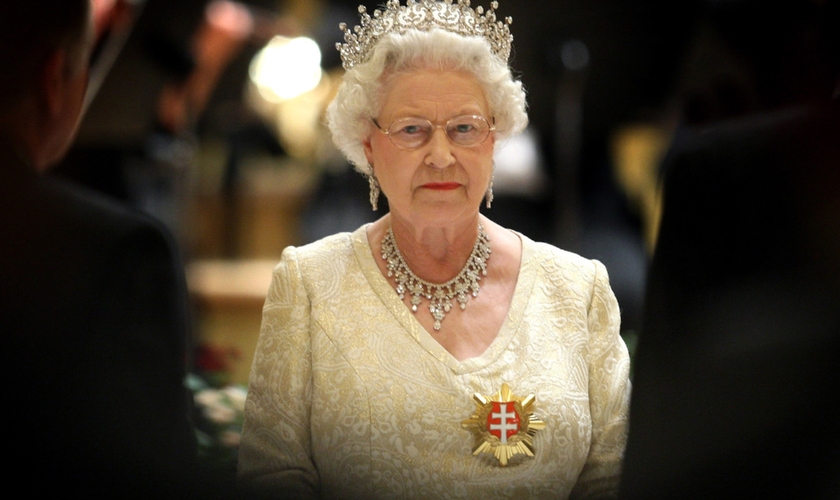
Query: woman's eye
x,y
464,128
411,129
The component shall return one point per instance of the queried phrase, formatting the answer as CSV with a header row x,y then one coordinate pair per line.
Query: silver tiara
x,y
424,15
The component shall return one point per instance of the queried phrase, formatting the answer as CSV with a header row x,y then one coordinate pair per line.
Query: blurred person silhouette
x,y
92,295
137,142
735,375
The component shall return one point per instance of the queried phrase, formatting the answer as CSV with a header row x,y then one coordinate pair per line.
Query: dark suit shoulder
x,y
94,309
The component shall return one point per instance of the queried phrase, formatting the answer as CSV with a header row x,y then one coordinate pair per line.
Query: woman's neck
x,y
435,253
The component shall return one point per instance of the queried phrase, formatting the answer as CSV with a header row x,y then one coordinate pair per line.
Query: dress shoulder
x,y
561,263
322,266
328,247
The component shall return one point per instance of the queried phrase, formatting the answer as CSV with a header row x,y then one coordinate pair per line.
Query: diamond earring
x,y
374,192
488,196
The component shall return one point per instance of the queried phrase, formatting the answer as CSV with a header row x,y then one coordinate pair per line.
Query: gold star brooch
x,y
503,425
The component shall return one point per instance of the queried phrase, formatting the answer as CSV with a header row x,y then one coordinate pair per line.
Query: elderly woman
x,y
404,359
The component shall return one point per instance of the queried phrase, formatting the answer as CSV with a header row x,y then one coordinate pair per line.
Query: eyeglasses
x,y
415,132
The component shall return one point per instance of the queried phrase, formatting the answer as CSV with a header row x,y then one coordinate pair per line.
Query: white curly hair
x,y
359,96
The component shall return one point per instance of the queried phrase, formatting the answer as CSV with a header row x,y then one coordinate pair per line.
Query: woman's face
x,y
439,182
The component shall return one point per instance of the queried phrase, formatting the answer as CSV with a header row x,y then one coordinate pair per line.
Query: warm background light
x,y
286,68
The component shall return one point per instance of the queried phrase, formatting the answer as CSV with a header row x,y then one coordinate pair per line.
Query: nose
x,y
439,149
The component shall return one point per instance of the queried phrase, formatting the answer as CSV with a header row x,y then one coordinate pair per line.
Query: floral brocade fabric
x,y
350,397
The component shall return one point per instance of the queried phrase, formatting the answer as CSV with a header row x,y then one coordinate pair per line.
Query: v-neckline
x,y
389,298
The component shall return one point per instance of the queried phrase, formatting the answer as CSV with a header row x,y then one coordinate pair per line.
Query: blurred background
x,y
208,115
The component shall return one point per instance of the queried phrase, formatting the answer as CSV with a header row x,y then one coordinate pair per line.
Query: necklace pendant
x,y
504,425
462,300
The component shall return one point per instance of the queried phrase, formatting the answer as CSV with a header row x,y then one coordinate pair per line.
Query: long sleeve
x,y
609,392
275,454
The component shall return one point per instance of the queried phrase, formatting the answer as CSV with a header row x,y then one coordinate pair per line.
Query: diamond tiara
x,y
424,15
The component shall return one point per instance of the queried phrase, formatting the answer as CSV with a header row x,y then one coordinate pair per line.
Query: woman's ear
x,y
368,150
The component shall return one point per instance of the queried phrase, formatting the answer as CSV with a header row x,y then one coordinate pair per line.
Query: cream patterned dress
x,y
351,398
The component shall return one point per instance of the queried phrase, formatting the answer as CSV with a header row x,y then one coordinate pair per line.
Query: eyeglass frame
x,y
491,126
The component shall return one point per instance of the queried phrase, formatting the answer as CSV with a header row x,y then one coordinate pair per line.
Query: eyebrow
x,y
486,116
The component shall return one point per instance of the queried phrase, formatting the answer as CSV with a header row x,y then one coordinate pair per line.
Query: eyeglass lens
x,y
415,132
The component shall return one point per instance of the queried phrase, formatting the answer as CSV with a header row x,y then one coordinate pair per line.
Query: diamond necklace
x,y
439,295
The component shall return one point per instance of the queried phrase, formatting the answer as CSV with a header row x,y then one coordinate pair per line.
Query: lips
x,y
442,186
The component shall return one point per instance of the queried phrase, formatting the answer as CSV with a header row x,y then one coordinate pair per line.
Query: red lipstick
x,y
442,186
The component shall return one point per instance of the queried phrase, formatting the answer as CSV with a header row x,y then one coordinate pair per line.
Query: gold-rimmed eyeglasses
x,y
414,132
